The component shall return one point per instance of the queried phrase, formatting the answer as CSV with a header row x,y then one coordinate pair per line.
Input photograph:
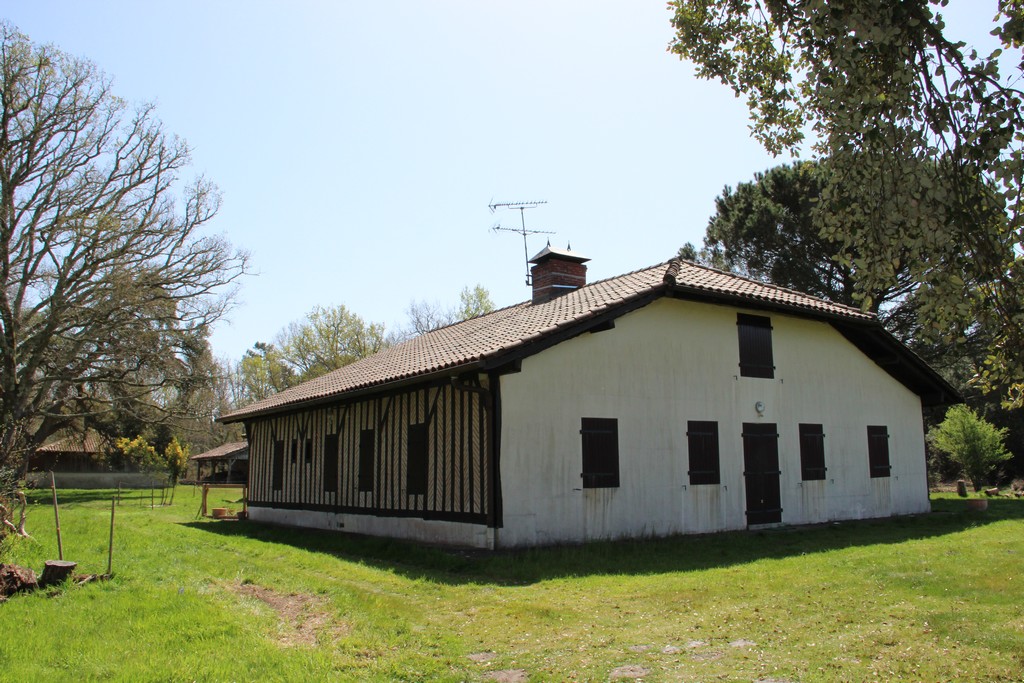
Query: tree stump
x,y
961,488
56,571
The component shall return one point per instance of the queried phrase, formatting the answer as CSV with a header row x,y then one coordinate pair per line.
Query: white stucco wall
x,y
675,361
434,531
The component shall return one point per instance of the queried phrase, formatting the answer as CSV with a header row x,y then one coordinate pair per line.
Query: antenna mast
x,y
521,230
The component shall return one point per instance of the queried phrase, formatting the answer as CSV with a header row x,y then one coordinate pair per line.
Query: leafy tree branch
x,y
109,285
923,141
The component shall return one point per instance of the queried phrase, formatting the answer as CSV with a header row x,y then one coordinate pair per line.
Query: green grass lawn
x,y
935,597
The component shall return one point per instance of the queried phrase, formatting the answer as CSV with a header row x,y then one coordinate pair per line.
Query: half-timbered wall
x,y
290,456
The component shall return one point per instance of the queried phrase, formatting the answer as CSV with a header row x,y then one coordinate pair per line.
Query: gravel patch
x,y
629,671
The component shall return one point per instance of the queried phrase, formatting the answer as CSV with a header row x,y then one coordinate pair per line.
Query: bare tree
x,y
108,287
425,316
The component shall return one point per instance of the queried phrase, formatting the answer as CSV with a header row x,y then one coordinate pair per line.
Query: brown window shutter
x,y
878,451
418,452
366,448
600,442
755,340
702,442
277,467
812,452
331,463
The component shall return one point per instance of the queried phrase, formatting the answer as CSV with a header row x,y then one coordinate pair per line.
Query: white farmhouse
x,y
674,399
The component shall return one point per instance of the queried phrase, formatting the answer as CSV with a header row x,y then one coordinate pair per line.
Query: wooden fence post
x,y
56,516
110,550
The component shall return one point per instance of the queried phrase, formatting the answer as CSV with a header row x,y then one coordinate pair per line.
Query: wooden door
x,y
761,473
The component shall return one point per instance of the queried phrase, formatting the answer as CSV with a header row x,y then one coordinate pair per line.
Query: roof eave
x,y
900,362
581,325
384,387
726,298
489,361
909,369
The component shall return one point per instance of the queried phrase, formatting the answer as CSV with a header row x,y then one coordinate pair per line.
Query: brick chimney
x,y
556,272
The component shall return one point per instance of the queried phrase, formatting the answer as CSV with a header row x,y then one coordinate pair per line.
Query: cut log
x,y
15,579
961,488
56,571
994,491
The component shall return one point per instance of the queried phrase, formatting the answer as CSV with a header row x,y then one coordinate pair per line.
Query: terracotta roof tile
x,y
688,276
473,341
90,442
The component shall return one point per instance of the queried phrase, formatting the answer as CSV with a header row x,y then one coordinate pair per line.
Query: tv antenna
x,y
521,230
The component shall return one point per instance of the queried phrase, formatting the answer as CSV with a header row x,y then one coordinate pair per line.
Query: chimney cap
x,y
549,252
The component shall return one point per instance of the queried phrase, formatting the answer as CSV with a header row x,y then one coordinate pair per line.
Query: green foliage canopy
x,y
325,340
923,140
260,373
970,441
328,339
765,229
140,453
473,302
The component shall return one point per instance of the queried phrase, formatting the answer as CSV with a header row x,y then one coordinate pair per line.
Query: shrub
x,y
138,452
176,458
970,441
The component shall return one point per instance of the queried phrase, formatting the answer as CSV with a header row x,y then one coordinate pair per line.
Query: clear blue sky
x,y
358,144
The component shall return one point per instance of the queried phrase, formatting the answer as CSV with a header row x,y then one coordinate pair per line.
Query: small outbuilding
x,y
82,461
673,399
225,464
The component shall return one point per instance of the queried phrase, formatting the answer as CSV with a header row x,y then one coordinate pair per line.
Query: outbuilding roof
x,y
235,449
88,443
502,336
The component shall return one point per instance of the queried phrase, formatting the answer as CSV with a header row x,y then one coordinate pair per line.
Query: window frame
x,y
599,445
703,453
